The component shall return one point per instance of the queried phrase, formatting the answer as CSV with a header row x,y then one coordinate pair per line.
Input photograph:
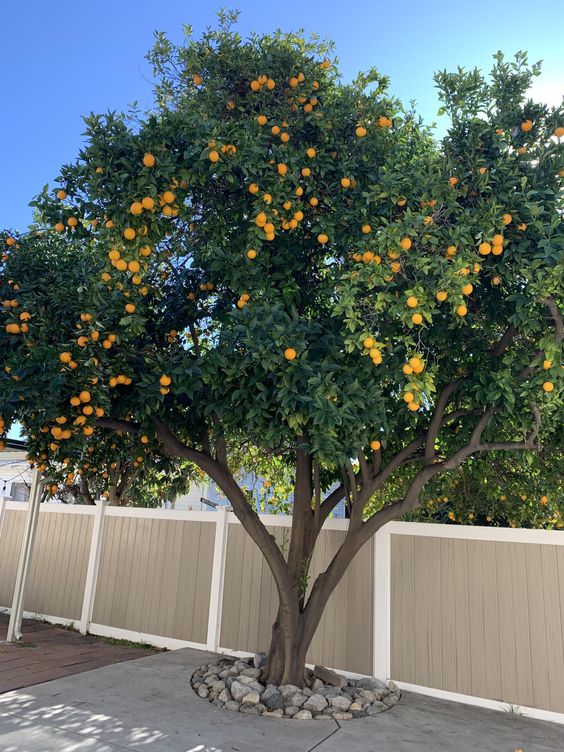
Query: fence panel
x,y
155,575
479,617
344,636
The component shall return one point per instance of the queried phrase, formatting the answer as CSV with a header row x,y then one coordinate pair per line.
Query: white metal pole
x,y
218,574
14,626
93,566
2,510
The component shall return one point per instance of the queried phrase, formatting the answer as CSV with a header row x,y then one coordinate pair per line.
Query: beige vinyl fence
x,y
462,612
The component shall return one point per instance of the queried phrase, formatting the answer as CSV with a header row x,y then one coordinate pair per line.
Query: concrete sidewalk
x,y
147,704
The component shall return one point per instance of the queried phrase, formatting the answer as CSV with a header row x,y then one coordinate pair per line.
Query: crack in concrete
x,y
318,745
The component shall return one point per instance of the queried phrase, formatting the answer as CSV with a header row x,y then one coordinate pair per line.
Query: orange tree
x,y
497,489
277,259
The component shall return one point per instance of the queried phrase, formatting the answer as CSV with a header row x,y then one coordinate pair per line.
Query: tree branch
x,y
557,318
436,421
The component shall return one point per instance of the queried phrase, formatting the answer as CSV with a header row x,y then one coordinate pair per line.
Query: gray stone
x,y
370,683
272,698
242,679
217,703
359,714
315,703
278,713
342,716
377,707
317,684
259,660
232,705
260,707
307,692
329,677
224,674
393,687
340,702
249,710
225,696
367,696
291,711
240,665
252,672
203,691
288,689
322,717
297,699
303,715
356,706
218,686
238,690
251,698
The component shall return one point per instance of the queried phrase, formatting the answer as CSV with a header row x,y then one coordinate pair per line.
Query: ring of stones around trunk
x,y
235,685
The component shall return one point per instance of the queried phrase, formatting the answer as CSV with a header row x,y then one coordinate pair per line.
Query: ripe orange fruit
x,y
484,249
290,353
325,64
284,137
84,396
405,243
417,318
451,251
313,201
130,308
168,197
311,152
462,310
72,221
547,365
559,132
507,219
149,160
408,397
467,289
213,156
282,168
526,125
197,79
255,86
497,250
412,302
251,253
497,239
165,380
360,131
148,203
61,194
453,181
441,296
65,357
413,406
375,445
136,208
82,341
59,227
548,386
345,182
129,233
262,119
366,229
121,265
368,342
322,238
417,365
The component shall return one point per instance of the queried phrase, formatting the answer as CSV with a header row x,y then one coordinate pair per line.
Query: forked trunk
x,y
292,633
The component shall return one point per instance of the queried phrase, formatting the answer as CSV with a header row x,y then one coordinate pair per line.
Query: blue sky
x,y
60,60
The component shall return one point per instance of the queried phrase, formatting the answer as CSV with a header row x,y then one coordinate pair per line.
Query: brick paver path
x,y
47,652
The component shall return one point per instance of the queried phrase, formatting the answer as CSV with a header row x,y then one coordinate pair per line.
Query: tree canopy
x,y
274,258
